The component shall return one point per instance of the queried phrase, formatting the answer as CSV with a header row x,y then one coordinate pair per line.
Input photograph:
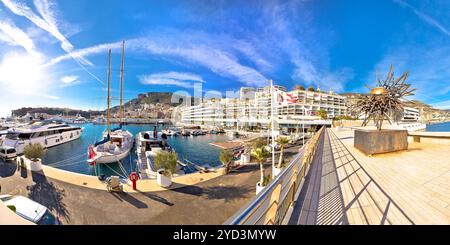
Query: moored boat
x,y
117,143
45,133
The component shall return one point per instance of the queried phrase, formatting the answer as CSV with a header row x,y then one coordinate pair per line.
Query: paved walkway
x,y
404,187
320,202
344,186
210,202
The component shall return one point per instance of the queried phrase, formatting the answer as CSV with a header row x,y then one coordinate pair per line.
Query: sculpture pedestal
x,y
376,142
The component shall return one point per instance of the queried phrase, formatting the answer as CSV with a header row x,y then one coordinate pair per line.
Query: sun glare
x,y
22,73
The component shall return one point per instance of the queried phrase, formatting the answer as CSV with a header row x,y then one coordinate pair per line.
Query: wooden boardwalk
x,y
344,186
320,202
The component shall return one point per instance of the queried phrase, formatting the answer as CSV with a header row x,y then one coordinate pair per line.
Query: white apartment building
x,y
253,109
411,114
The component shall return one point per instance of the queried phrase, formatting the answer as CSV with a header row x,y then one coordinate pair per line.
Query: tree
x,y
34,152
299,87
311,88
323,114
225,158
261,155
168,161
282,141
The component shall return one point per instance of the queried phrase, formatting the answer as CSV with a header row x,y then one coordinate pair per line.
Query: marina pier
x,y
344,186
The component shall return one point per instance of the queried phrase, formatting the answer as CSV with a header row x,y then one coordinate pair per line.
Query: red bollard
x,y
134,177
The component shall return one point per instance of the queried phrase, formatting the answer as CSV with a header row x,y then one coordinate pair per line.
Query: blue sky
x,y
54,53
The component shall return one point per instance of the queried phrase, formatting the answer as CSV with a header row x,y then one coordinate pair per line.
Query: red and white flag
x,y
284,98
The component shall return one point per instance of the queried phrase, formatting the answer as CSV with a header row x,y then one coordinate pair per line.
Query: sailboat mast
x,y
121,82
108,113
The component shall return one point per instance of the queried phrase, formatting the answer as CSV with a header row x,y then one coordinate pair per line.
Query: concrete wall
x,y
441,138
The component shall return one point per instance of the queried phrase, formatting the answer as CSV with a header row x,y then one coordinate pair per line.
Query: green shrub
x,y
167,161
34,151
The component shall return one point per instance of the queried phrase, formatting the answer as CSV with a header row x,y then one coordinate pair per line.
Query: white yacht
x,y
117,143
146,149
48,134
79,120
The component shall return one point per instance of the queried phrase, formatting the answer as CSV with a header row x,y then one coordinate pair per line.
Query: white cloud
x,y
443,105
179,79
428,19
69,81
47,22
16,37
218,61
101,48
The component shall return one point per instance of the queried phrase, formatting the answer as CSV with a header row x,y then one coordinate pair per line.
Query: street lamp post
x,y
272,103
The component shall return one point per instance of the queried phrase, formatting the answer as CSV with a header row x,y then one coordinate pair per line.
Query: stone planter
x,y
163,180
36,166
259,188
376,142
245,158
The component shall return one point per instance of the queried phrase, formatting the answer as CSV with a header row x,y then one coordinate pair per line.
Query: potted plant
x,y
34,152
260,154
282,141
166,163
225,158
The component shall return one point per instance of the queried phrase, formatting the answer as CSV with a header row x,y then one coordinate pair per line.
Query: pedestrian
x,y
155,132
164,139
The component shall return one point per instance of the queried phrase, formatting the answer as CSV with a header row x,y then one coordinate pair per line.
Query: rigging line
x,y
69,164
86,70
114,171
70,158
122,168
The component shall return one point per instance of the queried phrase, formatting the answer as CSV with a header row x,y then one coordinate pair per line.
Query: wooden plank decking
x,y
344,186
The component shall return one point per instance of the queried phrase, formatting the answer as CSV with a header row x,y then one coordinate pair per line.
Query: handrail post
x,y
271,214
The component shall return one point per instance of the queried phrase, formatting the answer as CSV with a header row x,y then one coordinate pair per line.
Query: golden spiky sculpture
x,y
384,100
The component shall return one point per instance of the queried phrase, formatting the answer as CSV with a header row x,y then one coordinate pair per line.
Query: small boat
x,y
185,132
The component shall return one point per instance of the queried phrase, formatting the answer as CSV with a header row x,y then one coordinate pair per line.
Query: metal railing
x,y
271,205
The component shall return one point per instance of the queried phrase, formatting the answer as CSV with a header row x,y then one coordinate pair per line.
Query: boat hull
x,y
110,158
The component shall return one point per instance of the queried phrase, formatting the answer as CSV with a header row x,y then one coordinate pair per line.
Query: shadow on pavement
x,y
7,169
226,193
47,194
122,196
156,198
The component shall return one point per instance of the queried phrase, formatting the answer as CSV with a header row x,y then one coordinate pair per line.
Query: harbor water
x,y
72,155
439,127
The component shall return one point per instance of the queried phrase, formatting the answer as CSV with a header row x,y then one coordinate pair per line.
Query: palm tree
x,y
225,158
282,141
311,88
323,114
261,155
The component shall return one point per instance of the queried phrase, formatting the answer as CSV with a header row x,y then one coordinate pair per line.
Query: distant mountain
x,y
151,104
151,98
55,111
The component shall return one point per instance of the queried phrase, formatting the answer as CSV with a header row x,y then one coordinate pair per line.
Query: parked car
x,y
30,210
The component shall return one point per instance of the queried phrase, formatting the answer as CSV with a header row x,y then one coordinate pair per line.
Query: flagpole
x,y
272,126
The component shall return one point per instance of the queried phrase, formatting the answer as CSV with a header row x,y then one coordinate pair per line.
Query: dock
x,y
344,186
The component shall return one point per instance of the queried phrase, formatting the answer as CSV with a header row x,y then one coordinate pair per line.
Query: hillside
x,y
151,104
55,111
